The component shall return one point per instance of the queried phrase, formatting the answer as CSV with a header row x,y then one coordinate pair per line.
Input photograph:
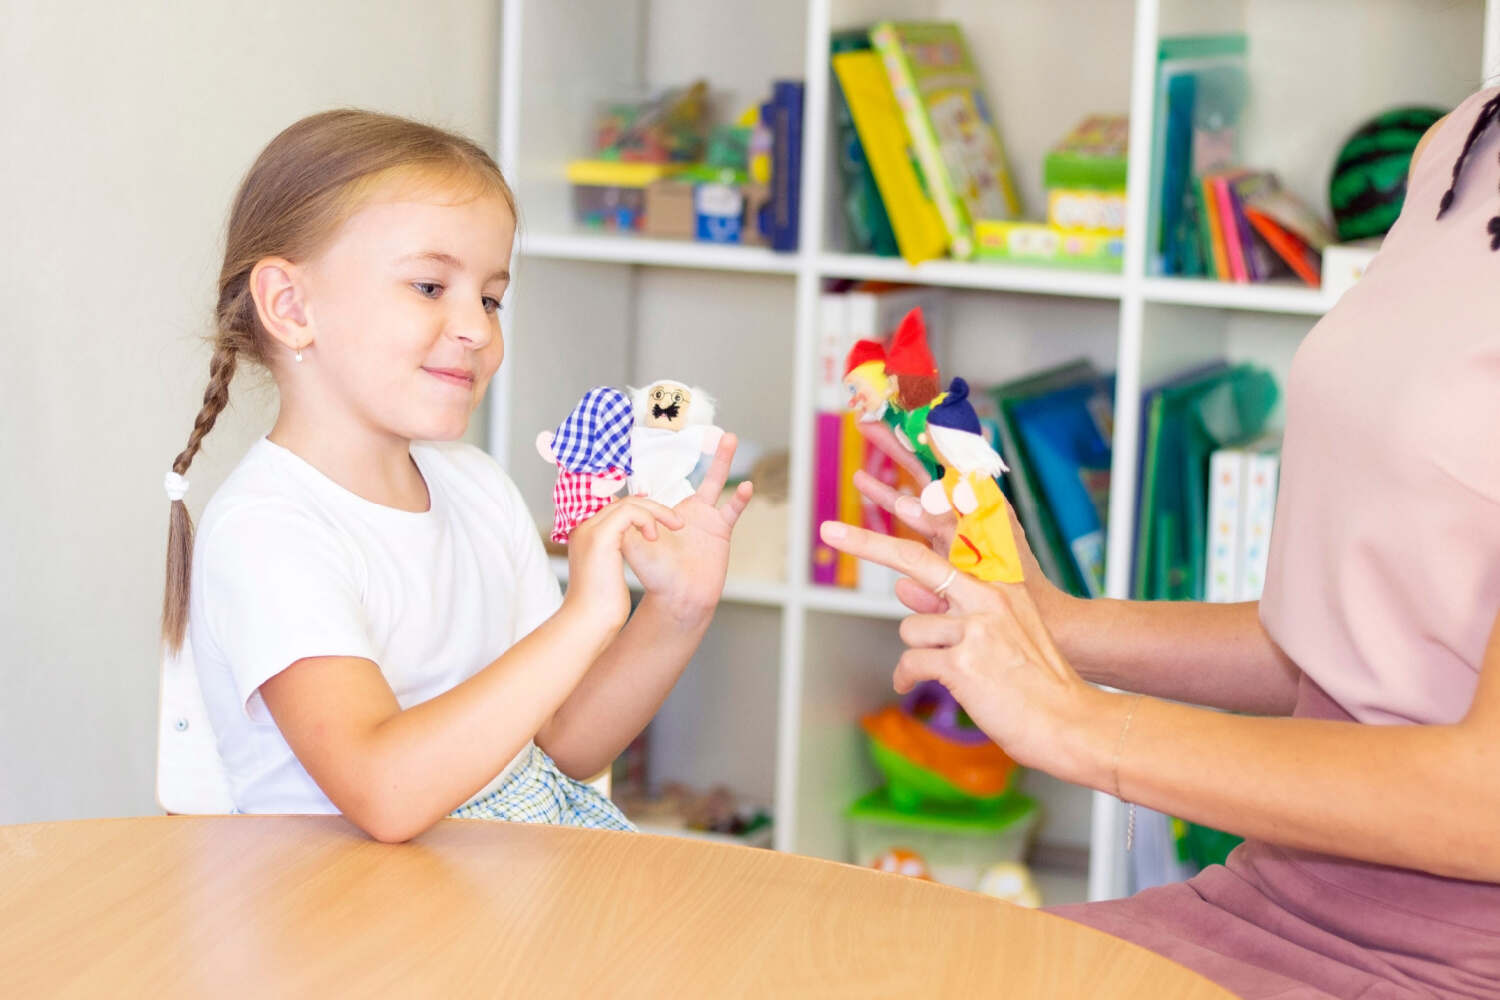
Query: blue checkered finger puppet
x,y
591,449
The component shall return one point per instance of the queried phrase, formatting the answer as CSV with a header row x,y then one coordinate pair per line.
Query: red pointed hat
x,y
863,351
909,354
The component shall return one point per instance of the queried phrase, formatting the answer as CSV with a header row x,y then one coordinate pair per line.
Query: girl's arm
x,y
1208,654
1422,797
395,772
683,576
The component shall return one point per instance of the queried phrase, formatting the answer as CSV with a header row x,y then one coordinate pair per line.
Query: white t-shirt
x,y
288,564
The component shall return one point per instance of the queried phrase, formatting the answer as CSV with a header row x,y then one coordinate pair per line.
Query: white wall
x,y
124,128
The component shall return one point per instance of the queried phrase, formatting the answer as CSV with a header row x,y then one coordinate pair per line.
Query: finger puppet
x,y
864,377
912,375
674,427
983,543
869,397
591,449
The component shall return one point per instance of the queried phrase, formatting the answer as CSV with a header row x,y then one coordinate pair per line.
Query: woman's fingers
x,y
924,566
912,558
903,505
918,665
718,470
917,597
884,439
931,631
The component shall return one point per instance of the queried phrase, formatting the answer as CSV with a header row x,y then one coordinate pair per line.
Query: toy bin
x,y
958,843
611,195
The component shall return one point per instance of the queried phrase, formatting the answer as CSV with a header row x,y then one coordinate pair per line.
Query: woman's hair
x,y
300,190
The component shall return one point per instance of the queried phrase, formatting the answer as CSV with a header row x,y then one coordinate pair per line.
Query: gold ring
x,y
942,588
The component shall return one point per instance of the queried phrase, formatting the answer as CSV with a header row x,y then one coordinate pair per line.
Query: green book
x,y
1032,511
951,123
866,221
1185,423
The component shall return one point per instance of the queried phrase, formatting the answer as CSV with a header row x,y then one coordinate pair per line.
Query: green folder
x,y
1184,424
1025,493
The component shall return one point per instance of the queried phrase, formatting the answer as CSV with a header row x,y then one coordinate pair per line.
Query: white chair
x,y
190,777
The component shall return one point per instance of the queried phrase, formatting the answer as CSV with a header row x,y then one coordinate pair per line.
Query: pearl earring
x,y
298,356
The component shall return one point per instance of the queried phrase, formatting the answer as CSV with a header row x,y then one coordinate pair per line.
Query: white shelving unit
x,y
772,701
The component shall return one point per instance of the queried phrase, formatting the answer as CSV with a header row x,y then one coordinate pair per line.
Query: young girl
x,y
374,623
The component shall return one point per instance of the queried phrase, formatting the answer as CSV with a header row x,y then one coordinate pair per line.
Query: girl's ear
x,y
280,302
544,447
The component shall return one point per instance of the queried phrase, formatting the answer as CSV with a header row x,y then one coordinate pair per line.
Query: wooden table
x,y
308,906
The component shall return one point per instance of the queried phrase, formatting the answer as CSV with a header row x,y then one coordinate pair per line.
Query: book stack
x,y
1241,502
918,120
1210,216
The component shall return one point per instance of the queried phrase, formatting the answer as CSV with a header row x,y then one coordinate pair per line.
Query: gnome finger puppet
x,y
869,396
912,375
591,450
865,379
674,428
983,543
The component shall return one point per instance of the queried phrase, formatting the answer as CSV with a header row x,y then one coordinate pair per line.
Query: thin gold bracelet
x,y
1120,749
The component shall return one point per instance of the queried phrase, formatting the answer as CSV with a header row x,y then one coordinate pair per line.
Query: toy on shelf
x,y
591,449
930,752
1084,175
671,127
957,844
673,429
983,542
903,861
1012,882
1368,186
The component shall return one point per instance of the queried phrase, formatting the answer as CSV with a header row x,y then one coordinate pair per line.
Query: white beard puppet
x,y
673,430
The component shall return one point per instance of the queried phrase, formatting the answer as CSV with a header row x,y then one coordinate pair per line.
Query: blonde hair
x,y
304,185
874,373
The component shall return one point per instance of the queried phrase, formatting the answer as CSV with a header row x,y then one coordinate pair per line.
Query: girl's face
x,y
405,304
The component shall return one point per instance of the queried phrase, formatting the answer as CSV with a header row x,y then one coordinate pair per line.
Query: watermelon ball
x,y
1368,185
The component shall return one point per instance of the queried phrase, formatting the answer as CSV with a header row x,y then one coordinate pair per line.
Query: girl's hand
x,y
596,566
938,529
686,568
990,649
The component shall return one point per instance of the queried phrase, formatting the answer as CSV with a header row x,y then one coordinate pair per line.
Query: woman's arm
x,y
1422,797
395,772
1208,654
683,576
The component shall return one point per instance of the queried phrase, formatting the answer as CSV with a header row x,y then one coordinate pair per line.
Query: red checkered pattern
x,y
574,498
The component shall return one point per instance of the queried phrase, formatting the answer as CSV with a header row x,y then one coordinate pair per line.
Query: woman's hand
x,y
938,529
596,565
686,568
991,650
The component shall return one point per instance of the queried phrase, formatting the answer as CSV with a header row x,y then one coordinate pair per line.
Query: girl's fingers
x,y
918,665
718,470
666,515
931,631
733,507
917,597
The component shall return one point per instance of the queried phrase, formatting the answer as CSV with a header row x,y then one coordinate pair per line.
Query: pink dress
x,y
1383,584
